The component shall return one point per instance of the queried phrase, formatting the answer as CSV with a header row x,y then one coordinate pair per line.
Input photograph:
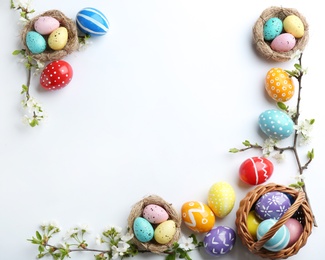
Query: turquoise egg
x,y
92,21
276,124
35,42
143,230
279,240
272,28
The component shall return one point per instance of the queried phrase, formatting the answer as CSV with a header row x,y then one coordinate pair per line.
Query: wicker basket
x,y
48,54
137,210
263,47
299,210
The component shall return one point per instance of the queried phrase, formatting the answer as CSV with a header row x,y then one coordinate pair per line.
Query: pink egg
x,y
46,24
283,42
295,230
155,214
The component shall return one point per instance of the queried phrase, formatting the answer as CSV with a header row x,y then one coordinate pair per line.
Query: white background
x,y
153,108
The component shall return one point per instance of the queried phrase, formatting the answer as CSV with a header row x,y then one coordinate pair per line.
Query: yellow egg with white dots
x,y
221,198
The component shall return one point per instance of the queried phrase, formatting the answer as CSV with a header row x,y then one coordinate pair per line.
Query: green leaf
x,y
16,52
34,122
294,185
171,256
194,239
233,150
311,154
41,249
282,106
38,235
297,66
247,143
311,121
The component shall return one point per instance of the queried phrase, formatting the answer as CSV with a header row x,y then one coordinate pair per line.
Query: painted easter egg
x,y
155,214
283,42
279,240
221,198
46,24
279,85
165,232
143,230
295,229
35,42
272,28
56,75
293,24
276,124
219,241
252,223
197,216
92,21
256,170
58,39
272,205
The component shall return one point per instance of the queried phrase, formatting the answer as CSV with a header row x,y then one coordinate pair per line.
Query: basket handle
x,y
291,210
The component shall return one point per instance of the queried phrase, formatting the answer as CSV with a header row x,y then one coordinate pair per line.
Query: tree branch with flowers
x,y
113,243
301,135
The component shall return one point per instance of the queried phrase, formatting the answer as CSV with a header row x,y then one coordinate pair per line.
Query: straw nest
x,y
48,54
263,47
152,245
299,210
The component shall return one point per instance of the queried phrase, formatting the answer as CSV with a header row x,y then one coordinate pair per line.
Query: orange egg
x,y
279,85
197,216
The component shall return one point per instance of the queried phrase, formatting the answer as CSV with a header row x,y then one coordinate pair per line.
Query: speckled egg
x,y
221,198
35,42
272,28
278,241
143,230
155,214
272,205
256,170
283,42
219,241
92,21
276,124
278,85
252,223
46,24
293,24
58,39
165,232
197,216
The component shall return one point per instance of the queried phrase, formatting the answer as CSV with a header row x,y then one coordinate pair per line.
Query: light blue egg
x,y
143,230
272,28
279,240
276,124
92,21
35,42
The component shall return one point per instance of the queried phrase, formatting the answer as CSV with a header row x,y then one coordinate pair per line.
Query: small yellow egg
x,y
221,198
165,232
293,24
252,223
58,39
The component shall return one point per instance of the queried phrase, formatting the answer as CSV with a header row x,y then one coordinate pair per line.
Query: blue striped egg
x,y
276,124
279,240
92,21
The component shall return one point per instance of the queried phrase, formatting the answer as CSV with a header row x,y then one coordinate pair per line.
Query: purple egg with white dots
x,y
219,241
272,205
276,124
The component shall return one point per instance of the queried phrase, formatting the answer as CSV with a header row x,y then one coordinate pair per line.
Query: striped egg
x,y
91,21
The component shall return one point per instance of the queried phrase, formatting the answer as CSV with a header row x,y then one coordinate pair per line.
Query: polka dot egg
x,y
279,85
221,198
92,21
276,124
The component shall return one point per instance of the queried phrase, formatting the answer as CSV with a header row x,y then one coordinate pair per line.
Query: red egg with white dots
x,y
56,75
256,170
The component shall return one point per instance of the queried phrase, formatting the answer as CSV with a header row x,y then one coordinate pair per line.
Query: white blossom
x,y
296,55
304,127
186,243
70,233
127,237
120,249
299,177
279,157
99,240
268,146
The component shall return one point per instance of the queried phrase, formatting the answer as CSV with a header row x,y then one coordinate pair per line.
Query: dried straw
x,y
299,210
137,210
48,54
263,47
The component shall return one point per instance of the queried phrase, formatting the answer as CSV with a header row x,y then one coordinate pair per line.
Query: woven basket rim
x,y
300,205
263,47
51,55
136,211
